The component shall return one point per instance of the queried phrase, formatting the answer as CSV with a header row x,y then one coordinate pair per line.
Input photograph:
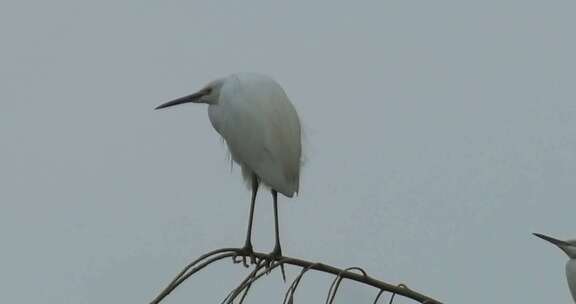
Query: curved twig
x,y
336,283
269,269
182,276
244,285
392,298
292,289
194,267
394,294
217,251
378,296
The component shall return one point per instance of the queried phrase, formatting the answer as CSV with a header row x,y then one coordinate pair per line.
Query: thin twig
x,y
200,259
181,277
344,274
247,284
292,289
394,294
336,283
378,296
277,263
244,284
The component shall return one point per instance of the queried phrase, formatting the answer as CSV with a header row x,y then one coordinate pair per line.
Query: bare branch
x,y
183,275
394,294
336,283
378,296
262,258
244,285
292,289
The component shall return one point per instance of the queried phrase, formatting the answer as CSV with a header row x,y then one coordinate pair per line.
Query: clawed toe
x,y
246,252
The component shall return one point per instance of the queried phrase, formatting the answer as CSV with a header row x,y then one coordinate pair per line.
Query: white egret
x,y
262,131
569,247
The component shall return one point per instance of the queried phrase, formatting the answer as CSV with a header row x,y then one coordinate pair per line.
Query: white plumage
x,y
262,130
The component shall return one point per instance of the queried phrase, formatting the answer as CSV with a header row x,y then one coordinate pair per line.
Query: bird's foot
x,y
243,254
275,256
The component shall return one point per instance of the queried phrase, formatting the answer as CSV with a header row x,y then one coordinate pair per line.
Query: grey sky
x,y
439,135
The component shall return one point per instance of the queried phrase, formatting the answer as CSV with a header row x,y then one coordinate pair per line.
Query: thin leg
x,y
255,183
277,229
248,249
277,251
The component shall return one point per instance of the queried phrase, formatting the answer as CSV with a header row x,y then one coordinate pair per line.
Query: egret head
x,y
208,95
569,247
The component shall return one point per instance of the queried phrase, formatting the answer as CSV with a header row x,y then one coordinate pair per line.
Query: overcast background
x,y
439,136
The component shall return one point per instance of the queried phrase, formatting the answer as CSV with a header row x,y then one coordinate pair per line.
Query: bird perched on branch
x,y
569,247
262,131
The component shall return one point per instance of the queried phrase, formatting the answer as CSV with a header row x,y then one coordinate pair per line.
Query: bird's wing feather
x,y
262,130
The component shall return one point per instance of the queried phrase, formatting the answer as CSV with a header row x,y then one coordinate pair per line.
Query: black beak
x,y
552,240
190,98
